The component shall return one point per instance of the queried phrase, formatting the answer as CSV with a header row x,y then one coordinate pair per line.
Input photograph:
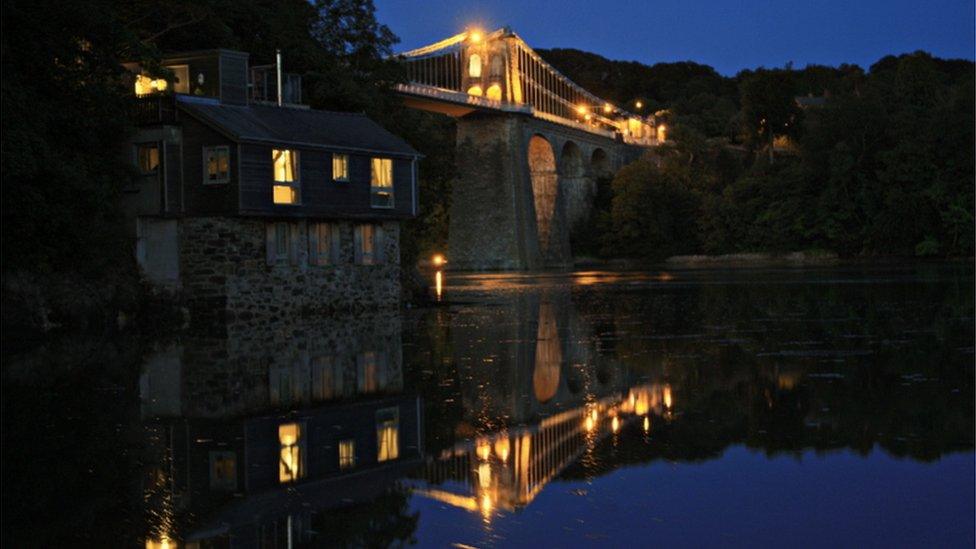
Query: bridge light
x,y
581,109
608,108
475,36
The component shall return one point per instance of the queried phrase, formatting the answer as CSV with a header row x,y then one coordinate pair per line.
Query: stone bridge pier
x,y
523,184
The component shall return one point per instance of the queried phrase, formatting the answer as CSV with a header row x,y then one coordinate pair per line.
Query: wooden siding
x,y
233,79
320,195
200,198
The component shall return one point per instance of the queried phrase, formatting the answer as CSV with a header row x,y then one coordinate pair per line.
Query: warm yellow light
x,y
608,108
438,283
475,36
438,260
476,91
639,105
662,132
494,92
484,475
587,117
502,448
589,423
290,459
647,424
615,424
484,450
486,505
581,109
593,414
667,396
163,543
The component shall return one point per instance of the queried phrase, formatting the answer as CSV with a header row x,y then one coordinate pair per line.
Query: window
x,y
217,162
367,375
495,92
369,244
382,183
340,167
497,66
286,176
223,471
323,243
291,454
282,243
181,78
347,454
326,378
387,434
474,66
147,156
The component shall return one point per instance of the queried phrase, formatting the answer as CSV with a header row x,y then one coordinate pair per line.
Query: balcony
x,y
157,108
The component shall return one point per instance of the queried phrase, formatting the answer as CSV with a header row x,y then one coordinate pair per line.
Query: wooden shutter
x,y
313,244
379,242
293,233
334,248
358,244
271,243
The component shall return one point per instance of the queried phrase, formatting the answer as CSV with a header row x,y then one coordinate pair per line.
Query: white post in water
x,y
278,70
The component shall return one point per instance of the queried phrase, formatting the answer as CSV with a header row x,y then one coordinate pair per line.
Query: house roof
x,y
306,128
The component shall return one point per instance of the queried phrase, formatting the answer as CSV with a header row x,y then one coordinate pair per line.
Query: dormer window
x,y
147,156
181,78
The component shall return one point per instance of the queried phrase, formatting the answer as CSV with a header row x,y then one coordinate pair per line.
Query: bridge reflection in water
x,y
507,470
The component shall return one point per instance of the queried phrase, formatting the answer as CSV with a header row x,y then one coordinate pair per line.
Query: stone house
x,y
250,204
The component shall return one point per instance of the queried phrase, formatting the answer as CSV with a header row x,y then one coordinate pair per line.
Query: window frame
x,y
347,462
379,190
295,184
387,418
206,164
159,159
345,158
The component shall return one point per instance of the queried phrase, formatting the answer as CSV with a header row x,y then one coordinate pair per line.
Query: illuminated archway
x,y
542,170
548,355
494,92
474,66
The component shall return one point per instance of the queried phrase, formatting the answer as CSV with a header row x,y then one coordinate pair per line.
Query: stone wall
x,y
226,277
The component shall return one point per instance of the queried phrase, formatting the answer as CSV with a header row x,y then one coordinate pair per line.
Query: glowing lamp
x,y
438,260
639,105
608,108
581,109
475,36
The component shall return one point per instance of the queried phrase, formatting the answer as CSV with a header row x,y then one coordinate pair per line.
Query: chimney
x,y
278,70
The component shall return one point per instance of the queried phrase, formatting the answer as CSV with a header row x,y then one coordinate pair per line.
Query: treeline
x,y
876,163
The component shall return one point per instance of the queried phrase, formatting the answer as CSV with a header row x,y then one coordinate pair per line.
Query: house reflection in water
x,y
250,437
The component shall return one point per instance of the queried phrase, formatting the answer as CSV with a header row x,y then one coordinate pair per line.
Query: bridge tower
x,y
530,145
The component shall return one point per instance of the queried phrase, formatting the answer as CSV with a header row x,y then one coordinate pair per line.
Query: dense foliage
x,y
875,163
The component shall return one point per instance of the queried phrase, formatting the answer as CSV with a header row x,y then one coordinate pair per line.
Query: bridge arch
x,y
599,163
545,186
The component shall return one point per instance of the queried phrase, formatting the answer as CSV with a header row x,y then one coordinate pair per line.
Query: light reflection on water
x,y
522,402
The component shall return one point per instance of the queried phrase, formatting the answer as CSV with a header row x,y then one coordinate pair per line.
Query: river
x,y
752,407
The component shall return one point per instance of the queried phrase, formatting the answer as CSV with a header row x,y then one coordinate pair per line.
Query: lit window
x,y
323,243
368,244
217,161
286,176
494,92
290,467
662,133
474,66
475,90
223,471
387,434
147,155
347,454
146,85
181,78
382,183
340,167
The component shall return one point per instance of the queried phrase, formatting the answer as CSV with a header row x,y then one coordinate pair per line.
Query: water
x,y
817,407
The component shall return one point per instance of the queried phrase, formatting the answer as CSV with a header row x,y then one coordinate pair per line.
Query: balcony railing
x,y
157,108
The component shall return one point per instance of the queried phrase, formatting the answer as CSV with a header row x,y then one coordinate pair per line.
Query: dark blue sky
x,y
728,35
